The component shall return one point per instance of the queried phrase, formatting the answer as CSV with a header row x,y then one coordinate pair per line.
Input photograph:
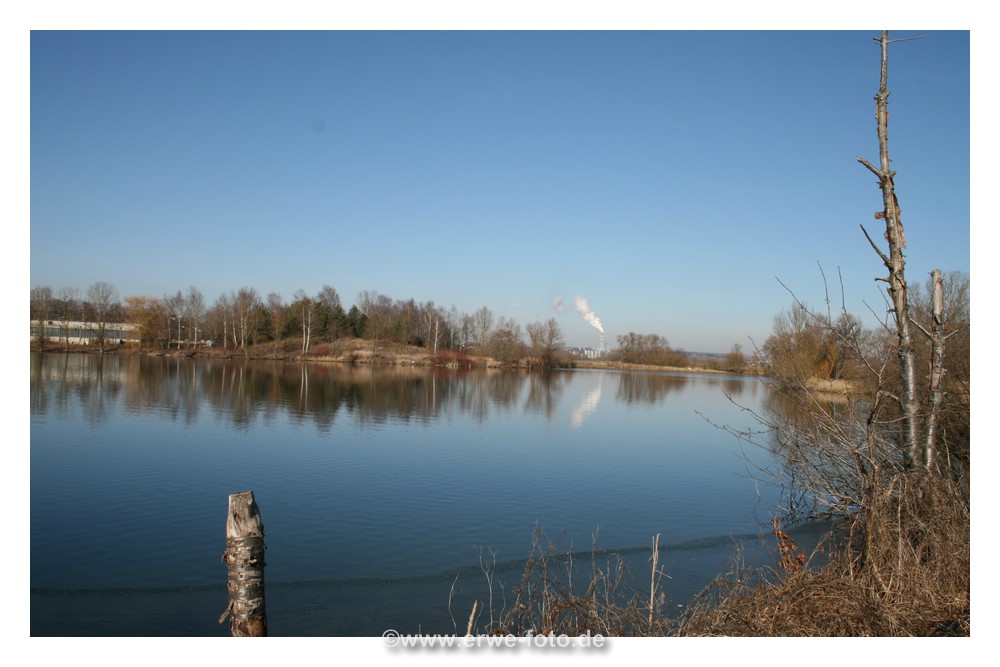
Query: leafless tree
x,y
221,311
103,299
174,307
942,314
245,303
649,349
69,298
431,318
377,308
305,306
468,331
404,322
735,360
329,298
920,429
506,343
41,306
546,339
536,333
277,308
483,322
194,307
454,323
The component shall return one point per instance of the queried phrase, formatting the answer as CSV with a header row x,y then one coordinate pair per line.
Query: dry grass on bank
x,y
573,595
900,570
361,351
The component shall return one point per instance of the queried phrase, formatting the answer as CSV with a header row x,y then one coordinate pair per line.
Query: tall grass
x,y
899,567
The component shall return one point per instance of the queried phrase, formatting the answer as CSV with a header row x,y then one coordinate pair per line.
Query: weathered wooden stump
x,y
244,558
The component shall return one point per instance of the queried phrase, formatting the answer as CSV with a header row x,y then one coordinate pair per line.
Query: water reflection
x,y
735,386
63,382
545,390
416,471
653,388
635,388
245,393
587,405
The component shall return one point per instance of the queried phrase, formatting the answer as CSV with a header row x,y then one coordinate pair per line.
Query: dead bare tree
x,y
900,554
920,430
837,451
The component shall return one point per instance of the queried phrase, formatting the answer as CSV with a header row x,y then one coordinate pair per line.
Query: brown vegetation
x,y
612,602
359,351
901,568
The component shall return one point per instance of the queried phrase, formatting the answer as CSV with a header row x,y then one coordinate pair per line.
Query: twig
x,y
472,617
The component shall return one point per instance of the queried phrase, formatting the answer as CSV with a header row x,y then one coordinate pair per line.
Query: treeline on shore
x,y
244,323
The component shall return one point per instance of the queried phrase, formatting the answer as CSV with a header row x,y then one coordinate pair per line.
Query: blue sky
x,y
670,178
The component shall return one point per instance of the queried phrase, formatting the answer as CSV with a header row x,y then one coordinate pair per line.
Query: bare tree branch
x,y
872,168
881,254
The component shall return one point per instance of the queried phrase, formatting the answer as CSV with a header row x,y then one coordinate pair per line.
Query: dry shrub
x,y
912,550
612,603
815,604
902,569
453,358
791,560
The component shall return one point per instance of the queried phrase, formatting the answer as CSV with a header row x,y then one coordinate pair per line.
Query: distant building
x,y
585,352
86,333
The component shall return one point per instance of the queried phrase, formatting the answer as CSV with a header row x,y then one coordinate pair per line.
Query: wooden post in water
x,y
244,558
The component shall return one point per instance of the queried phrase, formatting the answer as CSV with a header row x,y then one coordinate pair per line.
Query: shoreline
x,y
359,352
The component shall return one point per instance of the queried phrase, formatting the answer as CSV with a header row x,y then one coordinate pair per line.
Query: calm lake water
x,y
379,488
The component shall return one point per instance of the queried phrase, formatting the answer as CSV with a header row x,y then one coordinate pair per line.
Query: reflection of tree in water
x,y
648,388
248,392
504,388
734,386
63,381
544,392
39,397
244,392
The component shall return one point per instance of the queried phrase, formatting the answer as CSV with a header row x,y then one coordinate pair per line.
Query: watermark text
x,y
394,639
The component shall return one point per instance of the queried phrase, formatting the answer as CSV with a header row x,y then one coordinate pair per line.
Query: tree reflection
x,y
64,382
648,388
245,393
544,392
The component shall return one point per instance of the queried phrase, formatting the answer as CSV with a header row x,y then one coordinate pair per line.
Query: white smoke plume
x,y
557,304
583,308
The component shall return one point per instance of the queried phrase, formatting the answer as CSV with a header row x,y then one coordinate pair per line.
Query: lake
x,y
381,489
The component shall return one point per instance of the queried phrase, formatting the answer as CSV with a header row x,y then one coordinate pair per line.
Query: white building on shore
x,y
86,333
